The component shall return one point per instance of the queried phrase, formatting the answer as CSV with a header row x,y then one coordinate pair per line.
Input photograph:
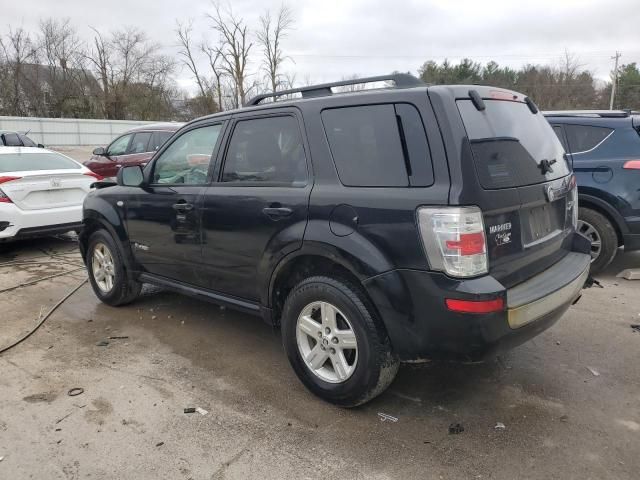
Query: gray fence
x,y
68,131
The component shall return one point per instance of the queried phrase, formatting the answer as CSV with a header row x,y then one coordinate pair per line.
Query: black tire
x,y
125,289
607,234
376,366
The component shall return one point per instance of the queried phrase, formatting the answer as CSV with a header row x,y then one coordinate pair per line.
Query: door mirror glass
x,y
99,151
130,176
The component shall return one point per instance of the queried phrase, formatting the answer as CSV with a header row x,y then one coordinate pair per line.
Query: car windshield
x,y
28,162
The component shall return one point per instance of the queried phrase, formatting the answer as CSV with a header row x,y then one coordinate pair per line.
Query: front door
x,y
163,220
256,212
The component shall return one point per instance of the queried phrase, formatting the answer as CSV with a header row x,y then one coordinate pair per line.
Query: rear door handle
x,y
276,213
182,207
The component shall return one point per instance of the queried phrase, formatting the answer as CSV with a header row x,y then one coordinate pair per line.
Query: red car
x,y
135,147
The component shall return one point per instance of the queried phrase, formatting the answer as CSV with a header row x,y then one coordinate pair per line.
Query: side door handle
x,y
276,213
182,207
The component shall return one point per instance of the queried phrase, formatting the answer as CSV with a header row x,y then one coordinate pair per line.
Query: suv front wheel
x,y
334,344
107,273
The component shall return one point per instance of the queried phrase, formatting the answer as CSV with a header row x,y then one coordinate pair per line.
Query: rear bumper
x,y
412,306
16,223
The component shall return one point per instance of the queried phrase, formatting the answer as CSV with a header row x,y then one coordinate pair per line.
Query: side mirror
x,y
131,176
40,145
100,151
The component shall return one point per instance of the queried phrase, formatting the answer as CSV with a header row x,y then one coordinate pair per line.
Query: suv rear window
x,y
509,142
366,146
583,138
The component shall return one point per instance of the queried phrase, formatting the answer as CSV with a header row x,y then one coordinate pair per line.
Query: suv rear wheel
x,y
604,241
334,344
107,273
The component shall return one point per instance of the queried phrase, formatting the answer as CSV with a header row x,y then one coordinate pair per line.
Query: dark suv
x,y
388,225
604,148
135,147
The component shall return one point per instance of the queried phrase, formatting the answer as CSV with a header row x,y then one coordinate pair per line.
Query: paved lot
x,y
561,420
81,154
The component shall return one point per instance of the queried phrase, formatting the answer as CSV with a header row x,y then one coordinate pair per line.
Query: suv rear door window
x,y
365,145
12,140
509,144
266,150
140,143
583,138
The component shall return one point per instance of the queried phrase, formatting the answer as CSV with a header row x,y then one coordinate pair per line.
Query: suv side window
x,y
139,142
186,161
266,150
560,134
119,145
12,140
367,148
583,138
158,139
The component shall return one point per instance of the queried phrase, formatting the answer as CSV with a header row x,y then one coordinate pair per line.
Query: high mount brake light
x,y
454,240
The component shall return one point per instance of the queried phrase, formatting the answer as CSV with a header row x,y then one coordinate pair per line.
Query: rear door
x,y
519,160
256,212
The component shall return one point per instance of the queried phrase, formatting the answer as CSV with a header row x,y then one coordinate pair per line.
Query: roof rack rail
x,y
401,80
588,113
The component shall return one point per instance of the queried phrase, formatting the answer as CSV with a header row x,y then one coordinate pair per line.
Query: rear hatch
x,y
524,185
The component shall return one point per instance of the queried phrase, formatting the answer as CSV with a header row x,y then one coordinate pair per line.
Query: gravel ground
x,y
569,400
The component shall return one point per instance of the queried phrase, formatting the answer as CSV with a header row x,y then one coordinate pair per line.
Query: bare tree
x,y
235,48
128,66
270,36
215,57
17,50
62,53
188,58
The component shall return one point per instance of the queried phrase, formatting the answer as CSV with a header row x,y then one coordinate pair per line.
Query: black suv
x,y
397,224
604,148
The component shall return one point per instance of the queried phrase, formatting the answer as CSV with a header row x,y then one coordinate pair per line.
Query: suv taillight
x,y
454,240
572,202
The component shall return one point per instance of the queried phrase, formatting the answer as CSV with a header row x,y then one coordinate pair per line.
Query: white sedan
x,y
41,192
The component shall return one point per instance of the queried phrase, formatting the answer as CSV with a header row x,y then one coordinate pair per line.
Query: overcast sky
x,y
333,38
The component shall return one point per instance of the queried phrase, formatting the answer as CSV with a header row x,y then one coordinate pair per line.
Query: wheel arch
x,y
314,259
605,209
93,221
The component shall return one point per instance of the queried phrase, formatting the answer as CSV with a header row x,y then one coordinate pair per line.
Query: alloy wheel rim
x,y
592,234
102,267
327,342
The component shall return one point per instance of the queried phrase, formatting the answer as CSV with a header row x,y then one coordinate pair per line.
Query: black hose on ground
x,y
44,319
